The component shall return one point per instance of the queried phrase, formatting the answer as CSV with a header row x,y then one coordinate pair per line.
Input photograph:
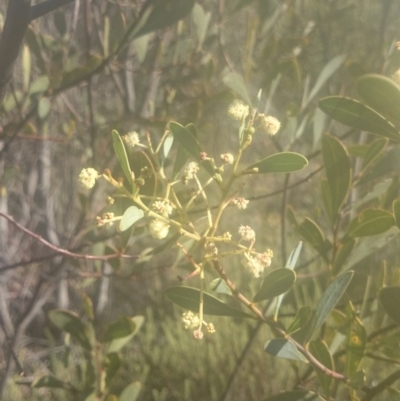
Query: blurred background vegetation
x,y
57,117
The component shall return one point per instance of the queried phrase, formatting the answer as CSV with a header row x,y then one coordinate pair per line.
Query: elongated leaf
x,y
285,162
390,298
130,392
342,254
396,211
310,232
26,67
161,13
356,341
357,115
290,264
330,68
382,94
294,256
188,298
118,343
374,150
123,327
192,146
297,395
122,157
40,85
370,222
338,172
275,283
130,217
113,363
51,382
302,317
168,141
330,298
283,348
236,83
319,349
218,285
72,324
183,155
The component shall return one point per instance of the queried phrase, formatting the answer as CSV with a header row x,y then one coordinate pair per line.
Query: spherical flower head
x,y
131,139
247,233
106,218
240,203
190,320
158,229
163,207
88,177
238,110
270,125
191,170
265,258
198,334
227,158
253,264
227,236
110,200
210,328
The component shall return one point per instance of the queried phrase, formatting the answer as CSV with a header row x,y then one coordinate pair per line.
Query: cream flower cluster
x,y
158,229
191,170
131,139
88,177
227,158
192,321
163,207
247,233
270,125
238,110
240,203
256,264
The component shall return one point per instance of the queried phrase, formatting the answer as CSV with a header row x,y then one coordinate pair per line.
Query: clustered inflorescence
x,y
170,213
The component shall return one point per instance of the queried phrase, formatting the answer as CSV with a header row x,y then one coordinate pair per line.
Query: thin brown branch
x,y
275,325
65,252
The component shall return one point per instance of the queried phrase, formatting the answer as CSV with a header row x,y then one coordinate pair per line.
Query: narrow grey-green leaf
x,y
310,232
168,141
275,283
188,298
118,343
382,94
370,222
50,381
122,157
357,115
285,162
374,150
390,298
283,348
338,171
219,285
321,352
130,392
122,327
130,217
40,85
330,298
72,324
294,256
192,146
329,69
236,83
